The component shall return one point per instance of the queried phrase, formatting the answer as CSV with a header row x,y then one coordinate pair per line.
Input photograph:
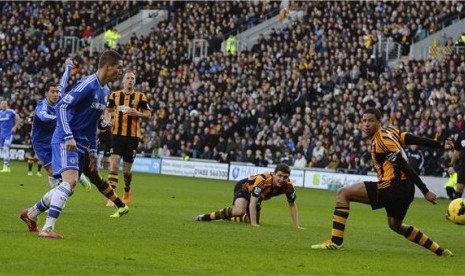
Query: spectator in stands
x,y
287,158
207,153
248,157
416,158
279,74
259,160
318,150
321,161
333,162
300,161
268,156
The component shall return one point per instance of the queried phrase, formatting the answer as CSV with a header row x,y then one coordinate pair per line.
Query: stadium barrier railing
x,y
199,168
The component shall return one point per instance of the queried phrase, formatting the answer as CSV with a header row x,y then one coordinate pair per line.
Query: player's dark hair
x,y
47,86
373,111
282,168
109,57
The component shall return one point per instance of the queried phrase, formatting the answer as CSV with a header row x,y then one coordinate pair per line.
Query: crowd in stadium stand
x,y
295,97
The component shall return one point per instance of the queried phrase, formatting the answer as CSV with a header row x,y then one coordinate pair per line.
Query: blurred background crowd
x,y
295,97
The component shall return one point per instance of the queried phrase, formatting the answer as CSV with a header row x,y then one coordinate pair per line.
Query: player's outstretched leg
x,y
225,213
414,235
244,218
104,188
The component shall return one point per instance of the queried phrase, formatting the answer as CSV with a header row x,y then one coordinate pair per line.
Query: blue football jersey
x,y
79,111
44,121
7,121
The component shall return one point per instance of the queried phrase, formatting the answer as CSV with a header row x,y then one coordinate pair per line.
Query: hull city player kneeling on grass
x,y
395,189
249,194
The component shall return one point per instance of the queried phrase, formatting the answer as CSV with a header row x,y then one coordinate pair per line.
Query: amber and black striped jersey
x,y
386,144
118,104
261,186
28,122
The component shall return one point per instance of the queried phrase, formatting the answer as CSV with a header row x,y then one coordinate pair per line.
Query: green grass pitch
x,y
160,237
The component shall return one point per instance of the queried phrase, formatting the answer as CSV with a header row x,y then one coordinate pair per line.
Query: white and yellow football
x,y
456,211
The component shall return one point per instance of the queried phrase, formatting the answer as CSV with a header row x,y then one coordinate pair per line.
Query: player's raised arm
x,y
64,79
410,139
18,121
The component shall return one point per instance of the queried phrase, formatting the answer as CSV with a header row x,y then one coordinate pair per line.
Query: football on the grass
x,y
456,211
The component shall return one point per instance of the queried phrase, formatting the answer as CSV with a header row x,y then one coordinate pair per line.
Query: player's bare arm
x,y
294,215
16,126
253,211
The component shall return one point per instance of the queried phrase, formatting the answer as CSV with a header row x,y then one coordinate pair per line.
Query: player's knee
x,y
239,211
48,169
395,227
341,193
72,183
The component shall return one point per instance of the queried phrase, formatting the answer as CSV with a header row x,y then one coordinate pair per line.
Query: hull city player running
x,y
395,189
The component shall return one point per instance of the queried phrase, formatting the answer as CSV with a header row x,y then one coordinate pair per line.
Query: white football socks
x,y
53,181
41,206
57,203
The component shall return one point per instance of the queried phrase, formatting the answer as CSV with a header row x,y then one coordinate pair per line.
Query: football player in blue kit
x,y
9,123
74,144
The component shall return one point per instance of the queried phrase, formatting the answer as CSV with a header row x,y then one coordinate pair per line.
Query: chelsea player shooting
x,y
44,124
74,142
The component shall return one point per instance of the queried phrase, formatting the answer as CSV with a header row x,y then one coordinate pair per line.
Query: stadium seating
x,y
303,85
